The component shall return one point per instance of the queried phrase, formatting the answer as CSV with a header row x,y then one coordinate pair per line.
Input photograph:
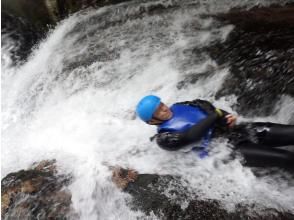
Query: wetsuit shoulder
x,y
203,104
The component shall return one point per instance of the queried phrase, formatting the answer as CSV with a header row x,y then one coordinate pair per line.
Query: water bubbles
x,y
73,100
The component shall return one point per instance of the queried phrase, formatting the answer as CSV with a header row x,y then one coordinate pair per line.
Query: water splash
x,y
73,100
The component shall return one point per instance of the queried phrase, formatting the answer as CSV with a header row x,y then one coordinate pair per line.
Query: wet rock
x,y
49,12
22,32
36,193
27,22
167,197
260,53
122,177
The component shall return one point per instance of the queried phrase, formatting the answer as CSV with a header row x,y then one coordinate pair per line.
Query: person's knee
x,y
272,134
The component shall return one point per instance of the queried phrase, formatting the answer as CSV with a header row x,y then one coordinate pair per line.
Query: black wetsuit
x,y
257,141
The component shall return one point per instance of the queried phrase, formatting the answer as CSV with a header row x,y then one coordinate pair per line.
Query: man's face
x,y
162,113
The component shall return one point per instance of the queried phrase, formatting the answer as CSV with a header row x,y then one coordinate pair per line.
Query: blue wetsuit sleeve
x,y
173,141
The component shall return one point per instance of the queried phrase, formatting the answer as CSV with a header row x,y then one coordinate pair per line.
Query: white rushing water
x,y
74,100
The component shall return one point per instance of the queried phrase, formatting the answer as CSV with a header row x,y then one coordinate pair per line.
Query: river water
x,y
73,99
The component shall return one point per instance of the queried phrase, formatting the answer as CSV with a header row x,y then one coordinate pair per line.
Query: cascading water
x,y
74,99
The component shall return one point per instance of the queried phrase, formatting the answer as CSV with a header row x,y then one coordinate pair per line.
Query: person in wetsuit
x,y
191,125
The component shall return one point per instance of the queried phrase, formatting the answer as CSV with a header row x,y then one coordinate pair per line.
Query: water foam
x,y
73,100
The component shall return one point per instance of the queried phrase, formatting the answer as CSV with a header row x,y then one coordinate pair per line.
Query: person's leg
x,y
271,134
261,156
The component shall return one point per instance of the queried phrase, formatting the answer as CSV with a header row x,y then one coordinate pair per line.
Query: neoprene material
x,y
274,135
184,117
188,125
261,149
173,141
263,156
259,142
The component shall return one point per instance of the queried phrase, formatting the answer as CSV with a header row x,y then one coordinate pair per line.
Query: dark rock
x,y
260,53
42,13
261,19
22,32
149,194
67,7
36,193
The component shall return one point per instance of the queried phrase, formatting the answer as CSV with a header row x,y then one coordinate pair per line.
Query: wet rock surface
x,y
28,31
164,196
260,54
36,193
21,31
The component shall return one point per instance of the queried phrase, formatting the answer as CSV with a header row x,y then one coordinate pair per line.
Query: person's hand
x,y
231,120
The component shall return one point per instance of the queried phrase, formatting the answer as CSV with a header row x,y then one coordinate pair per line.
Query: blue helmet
x,y
147,106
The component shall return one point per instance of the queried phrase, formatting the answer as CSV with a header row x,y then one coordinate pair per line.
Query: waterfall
x,y
74,99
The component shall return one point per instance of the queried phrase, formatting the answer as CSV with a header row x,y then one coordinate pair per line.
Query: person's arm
x,y
173,141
